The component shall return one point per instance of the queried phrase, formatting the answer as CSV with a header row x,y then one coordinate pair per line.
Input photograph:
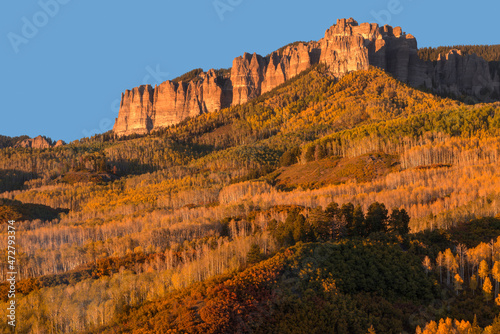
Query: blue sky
x,y
65,63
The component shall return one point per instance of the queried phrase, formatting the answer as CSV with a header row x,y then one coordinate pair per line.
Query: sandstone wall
x,y
346,47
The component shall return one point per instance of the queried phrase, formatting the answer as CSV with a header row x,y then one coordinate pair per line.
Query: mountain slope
x,y
297,291
310,160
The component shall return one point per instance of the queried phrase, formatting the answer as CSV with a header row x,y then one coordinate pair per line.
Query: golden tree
x,y
458,283
484,270
487,287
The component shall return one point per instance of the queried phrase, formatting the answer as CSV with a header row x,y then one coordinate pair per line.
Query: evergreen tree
x,y
301,229
332,210
399,222
359,227
321,224
376,218
347,212
254,254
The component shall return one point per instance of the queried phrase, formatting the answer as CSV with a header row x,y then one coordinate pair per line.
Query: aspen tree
x,y
487,288
483,270
495,272
427,264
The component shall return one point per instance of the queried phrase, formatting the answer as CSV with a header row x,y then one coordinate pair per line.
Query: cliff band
x,y
347,46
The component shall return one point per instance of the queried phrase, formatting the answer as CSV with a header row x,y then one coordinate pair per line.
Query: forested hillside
x,y
324,205
487,52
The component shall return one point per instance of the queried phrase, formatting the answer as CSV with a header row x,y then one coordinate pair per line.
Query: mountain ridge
x,y
346,47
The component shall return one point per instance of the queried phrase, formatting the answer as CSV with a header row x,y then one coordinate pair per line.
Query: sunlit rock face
x,y
346,47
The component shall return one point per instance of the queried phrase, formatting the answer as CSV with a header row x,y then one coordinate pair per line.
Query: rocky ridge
x,y
347,46
39,142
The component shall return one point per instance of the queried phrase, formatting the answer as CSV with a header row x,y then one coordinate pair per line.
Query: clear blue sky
x,y
68,73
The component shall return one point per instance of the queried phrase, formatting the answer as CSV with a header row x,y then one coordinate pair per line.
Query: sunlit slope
x,y
189,202
317,287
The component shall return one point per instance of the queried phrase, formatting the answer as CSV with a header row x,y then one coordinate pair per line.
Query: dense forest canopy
x,y
6,141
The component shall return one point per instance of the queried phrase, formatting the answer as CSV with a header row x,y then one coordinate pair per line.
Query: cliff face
x,y
136,111
469,75
346,47
145,108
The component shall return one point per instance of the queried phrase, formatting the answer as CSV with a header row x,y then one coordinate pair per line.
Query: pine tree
x,y
321,224
398,222
376,218
347,212
359,227
254,255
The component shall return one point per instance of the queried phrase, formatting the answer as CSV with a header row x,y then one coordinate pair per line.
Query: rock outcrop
x,y
136,111
346,47
145,108
39,142
464,75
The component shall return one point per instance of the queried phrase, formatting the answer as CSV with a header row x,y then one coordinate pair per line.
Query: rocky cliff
x,y
347,46
39,142
145,108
